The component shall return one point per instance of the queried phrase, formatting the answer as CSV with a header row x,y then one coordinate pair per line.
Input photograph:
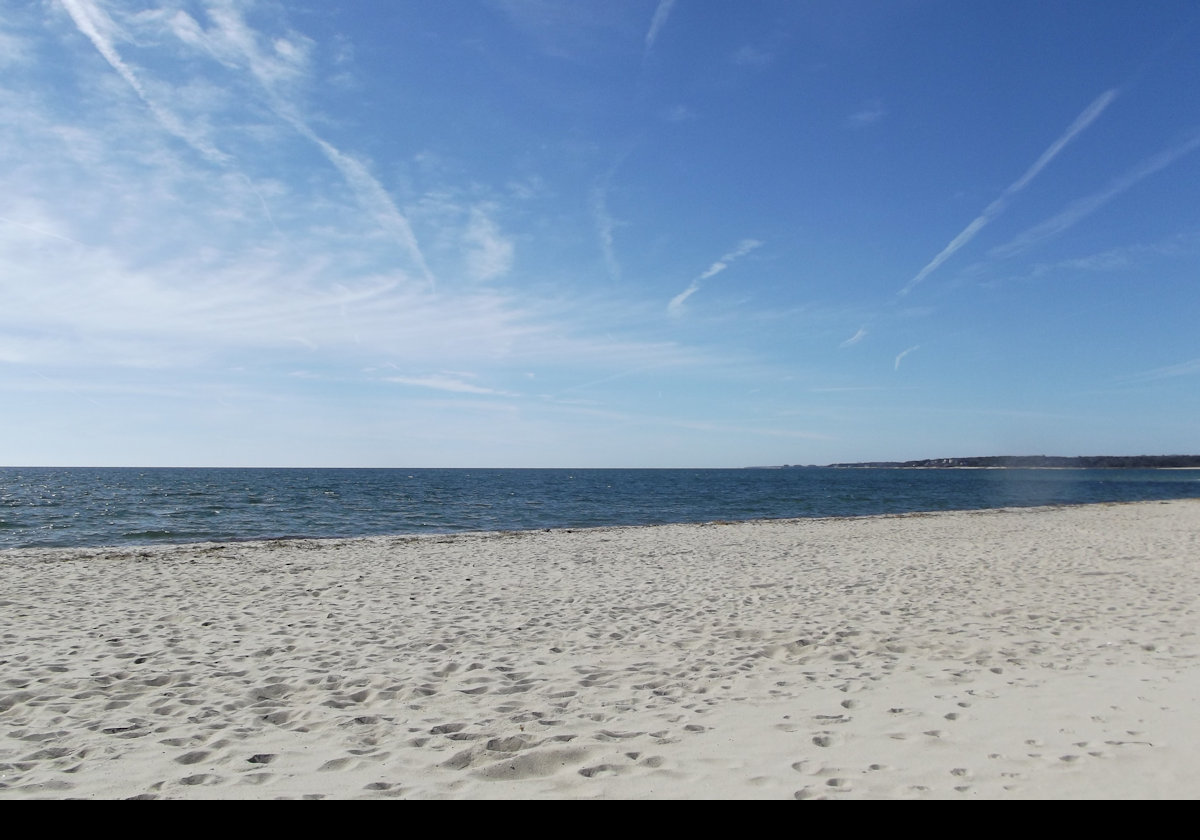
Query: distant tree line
x,y
1077,462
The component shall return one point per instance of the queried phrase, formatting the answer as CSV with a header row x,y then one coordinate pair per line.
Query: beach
x,y
1016,653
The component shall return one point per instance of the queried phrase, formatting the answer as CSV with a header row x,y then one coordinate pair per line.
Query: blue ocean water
x,y
112,506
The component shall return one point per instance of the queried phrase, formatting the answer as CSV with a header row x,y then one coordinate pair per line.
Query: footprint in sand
x,y
335,764
513,743
447,728
600,771
201,779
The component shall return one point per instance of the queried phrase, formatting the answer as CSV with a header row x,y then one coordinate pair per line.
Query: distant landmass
x,y
1089,462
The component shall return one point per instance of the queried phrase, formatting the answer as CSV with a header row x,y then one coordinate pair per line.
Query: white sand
x,y
1036,653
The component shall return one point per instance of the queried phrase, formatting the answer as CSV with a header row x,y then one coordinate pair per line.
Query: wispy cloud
x,y
1184,244
446,382
1189,368
854,388
902,354
678,114
854,339
751,56
1083,207
1085,119
675,307
869,114
661,12
275,68
605,226
489,253
13,50
1126,258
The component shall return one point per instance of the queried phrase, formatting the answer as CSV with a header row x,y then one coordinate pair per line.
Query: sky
x,y
606,233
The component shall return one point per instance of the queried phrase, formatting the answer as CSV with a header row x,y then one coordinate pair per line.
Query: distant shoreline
x,y
1043,462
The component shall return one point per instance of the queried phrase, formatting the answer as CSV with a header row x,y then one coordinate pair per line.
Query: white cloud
x,y
178,269
283,61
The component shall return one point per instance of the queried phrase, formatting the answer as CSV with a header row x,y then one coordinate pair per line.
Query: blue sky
x,y
620,233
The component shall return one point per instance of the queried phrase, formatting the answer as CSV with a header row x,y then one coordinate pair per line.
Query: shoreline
x,y
102,548
1040,652
990,467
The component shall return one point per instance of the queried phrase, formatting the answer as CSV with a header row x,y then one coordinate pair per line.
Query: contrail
x,y
240,43
1089,204
1089,115
854,339
904,353
92,22
95,24
41,232
744,247
373,196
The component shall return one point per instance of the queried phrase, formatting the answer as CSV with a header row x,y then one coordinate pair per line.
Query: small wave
x,y
192,513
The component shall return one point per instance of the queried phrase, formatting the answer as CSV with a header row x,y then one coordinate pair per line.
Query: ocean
x,y
77,507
